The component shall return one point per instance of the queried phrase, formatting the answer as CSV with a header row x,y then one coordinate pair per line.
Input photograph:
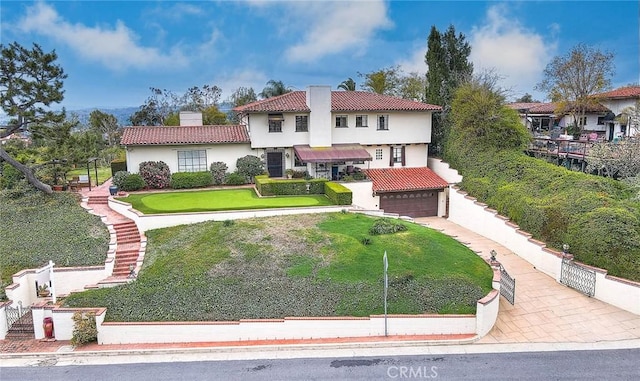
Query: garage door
x,y
412,204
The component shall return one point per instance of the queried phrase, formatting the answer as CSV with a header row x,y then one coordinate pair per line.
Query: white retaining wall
x,y
269,329
157,221
467,212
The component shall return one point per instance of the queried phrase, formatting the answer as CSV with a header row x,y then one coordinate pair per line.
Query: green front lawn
x,y
104,174
214,200
304,265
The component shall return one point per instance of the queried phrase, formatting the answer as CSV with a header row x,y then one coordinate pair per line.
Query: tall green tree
x,y
274,88
105,125
163,106
447,59
347,85
385,81
30,82
574,79
240,97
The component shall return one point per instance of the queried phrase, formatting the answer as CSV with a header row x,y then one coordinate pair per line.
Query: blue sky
x,y
113,51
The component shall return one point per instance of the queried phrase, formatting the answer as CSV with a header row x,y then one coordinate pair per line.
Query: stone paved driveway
x,y
544,310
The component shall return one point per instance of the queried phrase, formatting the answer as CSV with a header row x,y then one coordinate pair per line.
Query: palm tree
x,y
348,85
274,88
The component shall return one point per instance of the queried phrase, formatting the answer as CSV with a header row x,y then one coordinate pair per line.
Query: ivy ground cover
x,y
213,200
304,265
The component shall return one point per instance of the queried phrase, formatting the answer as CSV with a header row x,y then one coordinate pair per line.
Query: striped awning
x,y
334,154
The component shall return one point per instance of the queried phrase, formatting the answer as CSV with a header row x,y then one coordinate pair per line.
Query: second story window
x,y
341,121
361,121
383,122
302,123
275,122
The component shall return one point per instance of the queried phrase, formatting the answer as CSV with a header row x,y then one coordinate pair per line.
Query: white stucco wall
x,y
416,155
467,212
404,128
319,102
227,153
362,192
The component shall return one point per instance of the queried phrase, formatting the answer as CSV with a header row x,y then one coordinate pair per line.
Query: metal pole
x,y
386,285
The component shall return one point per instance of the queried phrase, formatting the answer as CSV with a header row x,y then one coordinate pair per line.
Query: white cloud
x,y
230,82
114,47
334,27
515,53
415,63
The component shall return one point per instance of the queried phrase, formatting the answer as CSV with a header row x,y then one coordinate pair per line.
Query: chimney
x,y
190,118
319,102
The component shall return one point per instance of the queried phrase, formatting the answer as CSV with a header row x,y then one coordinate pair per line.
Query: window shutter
x,y
391,156
403,157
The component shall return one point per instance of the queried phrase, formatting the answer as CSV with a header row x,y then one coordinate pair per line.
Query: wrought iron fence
x,y
507,286
19,319
578,277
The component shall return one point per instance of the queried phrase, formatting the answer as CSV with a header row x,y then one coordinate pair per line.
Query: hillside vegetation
x,y
597,217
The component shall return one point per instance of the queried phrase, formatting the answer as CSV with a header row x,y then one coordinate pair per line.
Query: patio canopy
x,y
334,154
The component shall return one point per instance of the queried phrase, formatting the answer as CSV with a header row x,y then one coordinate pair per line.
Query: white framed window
x,y
383,122
302,123
192,161
361,121
275,122
582,121
378,153
341,121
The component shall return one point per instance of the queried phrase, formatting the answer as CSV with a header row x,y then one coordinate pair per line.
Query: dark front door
x,y
274,164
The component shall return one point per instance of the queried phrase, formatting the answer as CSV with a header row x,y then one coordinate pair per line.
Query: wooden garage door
x,y
412,204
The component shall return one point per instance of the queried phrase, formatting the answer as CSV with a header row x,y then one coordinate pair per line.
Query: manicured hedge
x,y
280,187
595,216
185,180
338,193
117,166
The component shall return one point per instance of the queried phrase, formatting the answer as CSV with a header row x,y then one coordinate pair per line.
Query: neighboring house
x,y
190,147
542,118
619,101
328,134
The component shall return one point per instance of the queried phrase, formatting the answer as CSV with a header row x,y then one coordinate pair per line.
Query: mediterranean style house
x,y
608,119
328,134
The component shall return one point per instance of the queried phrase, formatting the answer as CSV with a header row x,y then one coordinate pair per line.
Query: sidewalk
x,y
546,316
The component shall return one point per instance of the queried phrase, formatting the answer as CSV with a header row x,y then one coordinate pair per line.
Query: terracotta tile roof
x,y
164,135
549,108
622,92
333,154
404,179
296,101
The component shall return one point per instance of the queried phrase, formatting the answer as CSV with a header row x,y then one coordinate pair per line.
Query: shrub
x,y
279,187
119,179
235,179
338,193
133,182
228,223
156,174
185,180
250,166
218,172
298,174
10,176
386,226
118,166
84,328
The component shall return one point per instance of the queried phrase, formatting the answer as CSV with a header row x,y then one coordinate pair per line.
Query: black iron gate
x,y
19,319
507,286
578,277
